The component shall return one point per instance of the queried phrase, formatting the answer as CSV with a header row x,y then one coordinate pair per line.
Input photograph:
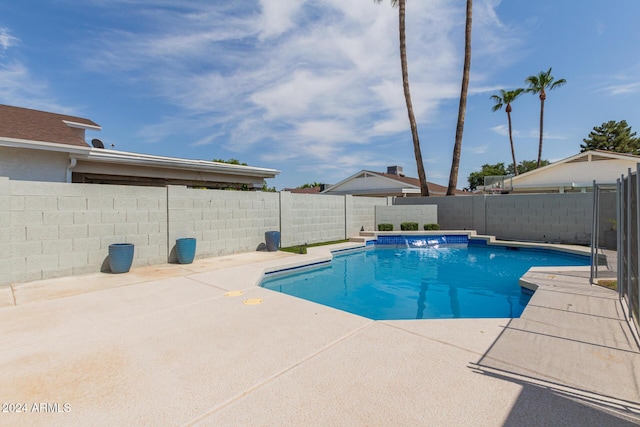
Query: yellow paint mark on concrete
x,y
233,294
252,301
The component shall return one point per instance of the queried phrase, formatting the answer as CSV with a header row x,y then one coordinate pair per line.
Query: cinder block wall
x,y
60,229
360,213
396,215
311,218
454,213
5,231
223,222
563,218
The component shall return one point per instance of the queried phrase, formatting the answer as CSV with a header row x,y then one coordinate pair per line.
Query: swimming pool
x,y
422,281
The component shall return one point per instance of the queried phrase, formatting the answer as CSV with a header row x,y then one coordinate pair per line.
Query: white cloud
x,y
295,75
479,149
6,39
503,130
278,16
622,89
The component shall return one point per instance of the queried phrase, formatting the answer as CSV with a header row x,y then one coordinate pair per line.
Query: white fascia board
x,y
124,157
410,191
46,146
81,125
562,184
112,156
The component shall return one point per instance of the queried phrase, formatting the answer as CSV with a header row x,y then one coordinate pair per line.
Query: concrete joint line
x,y
448,344
276,375
13,294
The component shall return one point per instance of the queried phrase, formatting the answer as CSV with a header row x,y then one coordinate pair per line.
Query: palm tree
x,y
422,176
505,99
457,147
538,85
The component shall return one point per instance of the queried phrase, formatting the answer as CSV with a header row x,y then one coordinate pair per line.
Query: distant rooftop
x,y
34,125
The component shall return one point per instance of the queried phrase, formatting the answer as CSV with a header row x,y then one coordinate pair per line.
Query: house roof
x,y
23,128
34,125
307,190
415,182
572,173
409,184
585,156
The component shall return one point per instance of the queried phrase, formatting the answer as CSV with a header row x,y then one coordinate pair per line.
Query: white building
x,y
573,174
392,183
42,146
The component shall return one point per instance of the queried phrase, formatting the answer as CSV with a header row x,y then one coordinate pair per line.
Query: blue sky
x,y
313,88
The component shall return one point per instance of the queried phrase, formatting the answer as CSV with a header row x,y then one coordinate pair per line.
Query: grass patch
x,y
610,284
302,249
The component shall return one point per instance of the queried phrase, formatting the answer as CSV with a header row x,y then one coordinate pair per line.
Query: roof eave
x,y
112,156
41,145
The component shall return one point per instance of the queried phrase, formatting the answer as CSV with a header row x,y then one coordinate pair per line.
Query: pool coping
x,y
323,254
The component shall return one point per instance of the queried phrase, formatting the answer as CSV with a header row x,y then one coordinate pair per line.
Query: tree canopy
x,y
526,166
310,185
612,136
230,161
539,85
476,179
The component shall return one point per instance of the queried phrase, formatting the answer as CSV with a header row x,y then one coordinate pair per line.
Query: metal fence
x,y
628,195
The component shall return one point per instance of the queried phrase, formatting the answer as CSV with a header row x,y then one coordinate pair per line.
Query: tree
x,y
526,166
422,176
268,189
230,161
612,136
310,185
505,99
476,179
539,84
457,147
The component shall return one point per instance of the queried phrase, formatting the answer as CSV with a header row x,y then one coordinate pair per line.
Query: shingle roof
x,y
34,125
307,190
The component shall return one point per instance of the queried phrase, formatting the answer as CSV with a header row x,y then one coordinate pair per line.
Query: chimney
x,y
395,170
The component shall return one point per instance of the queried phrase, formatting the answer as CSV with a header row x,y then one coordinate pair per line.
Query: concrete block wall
x,y
565,218
223,222
5,231
311,218
562,218
360,212
60,229
396,215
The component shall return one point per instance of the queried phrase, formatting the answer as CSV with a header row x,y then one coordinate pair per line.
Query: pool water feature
x,y
419,279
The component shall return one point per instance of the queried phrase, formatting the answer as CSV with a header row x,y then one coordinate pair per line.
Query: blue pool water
x,y
448,281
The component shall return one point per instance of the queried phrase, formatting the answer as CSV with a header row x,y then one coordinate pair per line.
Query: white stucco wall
x,y
603,171
33,165
369,183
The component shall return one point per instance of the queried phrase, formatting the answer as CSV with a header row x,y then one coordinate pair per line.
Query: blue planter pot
x,y
186,250
272,239
120,257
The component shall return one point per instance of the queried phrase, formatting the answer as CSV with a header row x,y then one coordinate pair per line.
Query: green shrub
x,y
409,226
385,227
431,227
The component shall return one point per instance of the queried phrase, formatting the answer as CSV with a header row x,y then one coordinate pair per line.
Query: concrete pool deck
x,y
165,345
